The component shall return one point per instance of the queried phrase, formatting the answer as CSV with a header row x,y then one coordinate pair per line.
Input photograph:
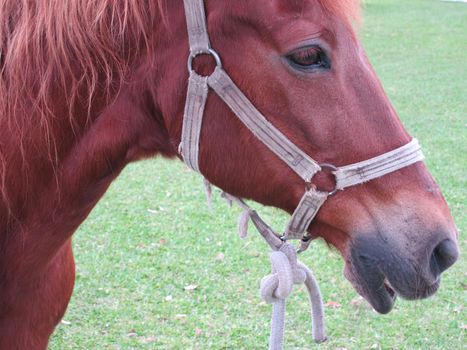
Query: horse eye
x,y
308,58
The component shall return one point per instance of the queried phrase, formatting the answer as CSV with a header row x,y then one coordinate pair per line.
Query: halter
x,y
285,265
300,162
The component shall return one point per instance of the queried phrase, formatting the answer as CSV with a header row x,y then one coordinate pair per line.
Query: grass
x,y
151,235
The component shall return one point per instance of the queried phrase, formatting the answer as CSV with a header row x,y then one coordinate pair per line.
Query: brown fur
x,y
88,86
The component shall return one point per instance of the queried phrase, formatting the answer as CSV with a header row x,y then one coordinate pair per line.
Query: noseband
x,y
300,162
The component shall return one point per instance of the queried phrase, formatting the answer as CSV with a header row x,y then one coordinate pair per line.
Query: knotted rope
x,y
276,287
286,271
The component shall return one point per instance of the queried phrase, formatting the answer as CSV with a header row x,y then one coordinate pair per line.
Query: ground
x,y
157,270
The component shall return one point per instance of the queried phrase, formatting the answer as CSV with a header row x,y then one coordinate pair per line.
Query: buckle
x,y
210,52
333,169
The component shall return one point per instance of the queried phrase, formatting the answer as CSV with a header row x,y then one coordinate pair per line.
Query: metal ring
x,y
333,168
211,52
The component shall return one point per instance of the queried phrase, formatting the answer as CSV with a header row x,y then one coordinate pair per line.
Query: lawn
x,y
152,235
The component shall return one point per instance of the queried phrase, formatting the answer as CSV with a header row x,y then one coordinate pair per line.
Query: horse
x,y
88,87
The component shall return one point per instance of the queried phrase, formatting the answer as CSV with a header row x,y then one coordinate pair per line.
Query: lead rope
x,y
286,271
276,287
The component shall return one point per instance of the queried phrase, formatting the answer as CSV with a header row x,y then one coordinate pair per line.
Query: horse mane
x,y
58,56
73,46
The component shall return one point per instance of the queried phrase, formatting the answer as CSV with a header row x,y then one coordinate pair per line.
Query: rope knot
x,y
285,273
276,287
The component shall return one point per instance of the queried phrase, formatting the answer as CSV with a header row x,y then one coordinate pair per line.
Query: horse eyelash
x,y
323,63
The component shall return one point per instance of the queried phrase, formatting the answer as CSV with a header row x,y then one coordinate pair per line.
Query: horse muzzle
x,y
381,268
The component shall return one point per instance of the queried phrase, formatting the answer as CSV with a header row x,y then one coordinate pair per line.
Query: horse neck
x,y
54,167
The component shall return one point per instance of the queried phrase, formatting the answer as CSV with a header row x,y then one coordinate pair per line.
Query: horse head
x,y
303,67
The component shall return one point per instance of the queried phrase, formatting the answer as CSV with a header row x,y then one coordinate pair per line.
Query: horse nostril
x,y
444,255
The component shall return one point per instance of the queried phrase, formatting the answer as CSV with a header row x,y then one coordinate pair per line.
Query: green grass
x,y
133,263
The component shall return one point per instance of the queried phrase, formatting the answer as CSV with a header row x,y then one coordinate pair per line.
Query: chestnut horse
x,y
88,86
